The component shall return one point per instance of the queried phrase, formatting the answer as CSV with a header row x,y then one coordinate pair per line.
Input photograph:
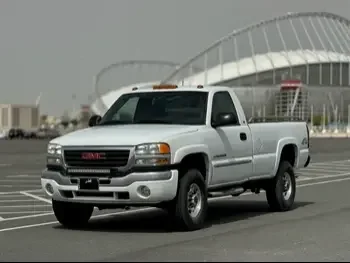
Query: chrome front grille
x,y
96,158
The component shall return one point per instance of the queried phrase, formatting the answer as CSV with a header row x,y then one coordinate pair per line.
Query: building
x,y
26,117
312,48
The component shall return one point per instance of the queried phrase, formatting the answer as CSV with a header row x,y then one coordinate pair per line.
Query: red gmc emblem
x,y
93,156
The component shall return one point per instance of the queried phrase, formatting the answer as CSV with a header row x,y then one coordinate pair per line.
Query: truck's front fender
x,y
182,152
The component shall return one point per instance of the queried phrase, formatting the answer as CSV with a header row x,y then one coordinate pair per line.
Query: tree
x,y
65,119
43,119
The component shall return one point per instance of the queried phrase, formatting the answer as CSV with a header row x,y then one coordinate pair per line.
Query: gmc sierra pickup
x,y
172,147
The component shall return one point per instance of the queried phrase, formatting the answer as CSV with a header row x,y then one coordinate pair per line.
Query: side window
x,y
127,111
222,103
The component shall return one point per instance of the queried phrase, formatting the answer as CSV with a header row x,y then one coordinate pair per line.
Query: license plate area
x,y
88,184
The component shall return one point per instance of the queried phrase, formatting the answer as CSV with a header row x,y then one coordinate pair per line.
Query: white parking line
x,y
324,182
17,192
93,217
37,197
304,178
334,164
312,174
331,162
11,196
34,190
44,213
37,214
41,195
323,170
153,209
18,180
17,201
33,213
1,218
5,164
23,176
16,186
22,206
324,177
341,161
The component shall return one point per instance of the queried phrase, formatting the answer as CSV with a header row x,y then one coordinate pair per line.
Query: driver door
x,y
232,157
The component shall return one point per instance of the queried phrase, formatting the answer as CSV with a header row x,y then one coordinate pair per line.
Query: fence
x,y
325,109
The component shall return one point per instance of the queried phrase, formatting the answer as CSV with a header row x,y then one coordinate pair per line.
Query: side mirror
x,y
223,119
94,120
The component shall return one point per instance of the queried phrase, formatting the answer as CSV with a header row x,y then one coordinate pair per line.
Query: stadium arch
x,y
103,101
320,59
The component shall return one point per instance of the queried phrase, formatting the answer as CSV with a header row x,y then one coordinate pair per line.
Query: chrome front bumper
x,y
117,191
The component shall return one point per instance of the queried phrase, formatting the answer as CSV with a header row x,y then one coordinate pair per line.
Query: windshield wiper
x,y
115,122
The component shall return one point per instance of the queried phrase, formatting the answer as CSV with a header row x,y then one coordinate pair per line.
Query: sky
x,y
57,46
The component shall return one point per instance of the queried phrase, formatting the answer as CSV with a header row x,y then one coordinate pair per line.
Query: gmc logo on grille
x,y
93,156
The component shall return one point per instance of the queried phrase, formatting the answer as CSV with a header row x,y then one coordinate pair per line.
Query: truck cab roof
x,y
179,88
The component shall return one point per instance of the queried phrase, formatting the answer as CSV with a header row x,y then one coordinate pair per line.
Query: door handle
x,y
243,136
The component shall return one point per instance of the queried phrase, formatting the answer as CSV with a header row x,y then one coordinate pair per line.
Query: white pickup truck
x,y
172,147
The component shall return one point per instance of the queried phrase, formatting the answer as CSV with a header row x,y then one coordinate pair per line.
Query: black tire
x,y
181,211
275,189
72,215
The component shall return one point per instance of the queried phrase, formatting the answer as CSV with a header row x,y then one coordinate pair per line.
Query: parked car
x,y
30,135
16,133
47,133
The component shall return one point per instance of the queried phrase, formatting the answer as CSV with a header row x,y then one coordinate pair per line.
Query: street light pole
x,y
100,104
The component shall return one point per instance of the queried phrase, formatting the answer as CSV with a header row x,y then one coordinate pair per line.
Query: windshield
x,y
181,108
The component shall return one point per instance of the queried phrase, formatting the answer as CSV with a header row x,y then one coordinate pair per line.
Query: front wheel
x,y
191,203
72,215
281,190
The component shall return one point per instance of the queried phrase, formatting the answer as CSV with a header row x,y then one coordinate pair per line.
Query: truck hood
x,y
122,135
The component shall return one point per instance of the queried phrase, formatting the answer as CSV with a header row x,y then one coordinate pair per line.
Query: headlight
x,y
152,154
54,149
54,152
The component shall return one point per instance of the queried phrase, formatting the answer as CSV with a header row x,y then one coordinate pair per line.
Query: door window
x,y
222,103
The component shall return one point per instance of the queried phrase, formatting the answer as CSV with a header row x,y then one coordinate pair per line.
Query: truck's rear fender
x,y
194,155
287,148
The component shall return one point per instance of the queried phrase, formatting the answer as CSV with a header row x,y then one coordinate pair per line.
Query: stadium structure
x,y
145,70
296,64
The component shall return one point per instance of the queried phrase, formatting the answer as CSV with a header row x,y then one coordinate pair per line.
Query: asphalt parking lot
x,y
239,229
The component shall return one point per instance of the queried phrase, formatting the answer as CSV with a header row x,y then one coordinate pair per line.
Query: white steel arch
x,y
99,105
262,63
337,26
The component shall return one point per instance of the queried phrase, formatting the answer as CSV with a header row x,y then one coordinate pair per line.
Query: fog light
x,y
49,189
144,191
55,161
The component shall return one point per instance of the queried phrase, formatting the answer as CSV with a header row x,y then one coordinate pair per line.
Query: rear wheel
x,y
191,204
281,190
72,215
